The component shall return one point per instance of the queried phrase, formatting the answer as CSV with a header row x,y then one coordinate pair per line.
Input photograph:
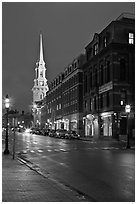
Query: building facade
x,y
109,79
64,100
40,87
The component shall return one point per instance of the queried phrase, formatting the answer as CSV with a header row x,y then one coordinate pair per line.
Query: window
x,y
89,53
101,100
124,97
131,38
95,48
41,96
60,106
96,77
41,73
101,79
95,105
90,104
90,79
108,71
86,105
108,102
85,84
122,69
104,42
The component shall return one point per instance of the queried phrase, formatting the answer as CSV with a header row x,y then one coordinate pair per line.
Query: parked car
x,y
51,133
68,135
45,132
60,133
36,131
73,135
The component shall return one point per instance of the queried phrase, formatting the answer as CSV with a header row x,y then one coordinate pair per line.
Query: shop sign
x,y
106,87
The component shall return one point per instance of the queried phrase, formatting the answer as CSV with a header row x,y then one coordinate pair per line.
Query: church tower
x,y
40,82
40,87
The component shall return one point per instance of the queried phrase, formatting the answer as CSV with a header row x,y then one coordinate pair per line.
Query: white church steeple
x,y
41,50
40,82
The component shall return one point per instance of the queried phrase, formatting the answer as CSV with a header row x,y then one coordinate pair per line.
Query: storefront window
x,y
107,125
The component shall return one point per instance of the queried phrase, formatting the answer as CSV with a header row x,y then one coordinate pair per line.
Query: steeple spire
x,y
41,49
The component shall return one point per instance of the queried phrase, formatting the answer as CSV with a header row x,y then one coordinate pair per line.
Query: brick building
x,y
109,79
64,101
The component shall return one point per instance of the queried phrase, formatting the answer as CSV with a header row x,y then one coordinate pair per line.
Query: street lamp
x,y
34,109
7,104
127,110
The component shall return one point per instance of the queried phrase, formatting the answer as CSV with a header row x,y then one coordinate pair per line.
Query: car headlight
x,y
28,130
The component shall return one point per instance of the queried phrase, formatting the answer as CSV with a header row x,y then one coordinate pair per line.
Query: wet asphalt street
x,y
99,174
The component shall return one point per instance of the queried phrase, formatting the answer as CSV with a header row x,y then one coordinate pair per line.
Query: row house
x,y
109,79
64,101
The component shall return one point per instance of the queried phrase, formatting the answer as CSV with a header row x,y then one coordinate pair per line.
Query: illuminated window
x,y
131,38
104,42
95,48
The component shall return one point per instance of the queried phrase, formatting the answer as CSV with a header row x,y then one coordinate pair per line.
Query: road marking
x,y
63,164
39,150
63,150
24,151
49,150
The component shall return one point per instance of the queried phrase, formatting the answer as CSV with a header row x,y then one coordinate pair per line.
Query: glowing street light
x,y
127,110
34,106
7,105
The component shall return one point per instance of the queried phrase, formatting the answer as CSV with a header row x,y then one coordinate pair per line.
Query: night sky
x,y
66,27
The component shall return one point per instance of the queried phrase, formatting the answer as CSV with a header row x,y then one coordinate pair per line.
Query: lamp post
x,y
7,104
34,113
127,110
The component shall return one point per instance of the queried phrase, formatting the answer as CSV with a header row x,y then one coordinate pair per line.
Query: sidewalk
x,y
21,184
109,142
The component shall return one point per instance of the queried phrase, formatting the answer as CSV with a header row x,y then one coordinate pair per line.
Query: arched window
x,y
41,96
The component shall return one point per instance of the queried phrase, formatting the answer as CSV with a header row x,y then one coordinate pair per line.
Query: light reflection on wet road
x,y
105,175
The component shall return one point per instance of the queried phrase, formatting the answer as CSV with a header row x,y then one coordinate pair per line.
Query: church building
x,y
40,87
